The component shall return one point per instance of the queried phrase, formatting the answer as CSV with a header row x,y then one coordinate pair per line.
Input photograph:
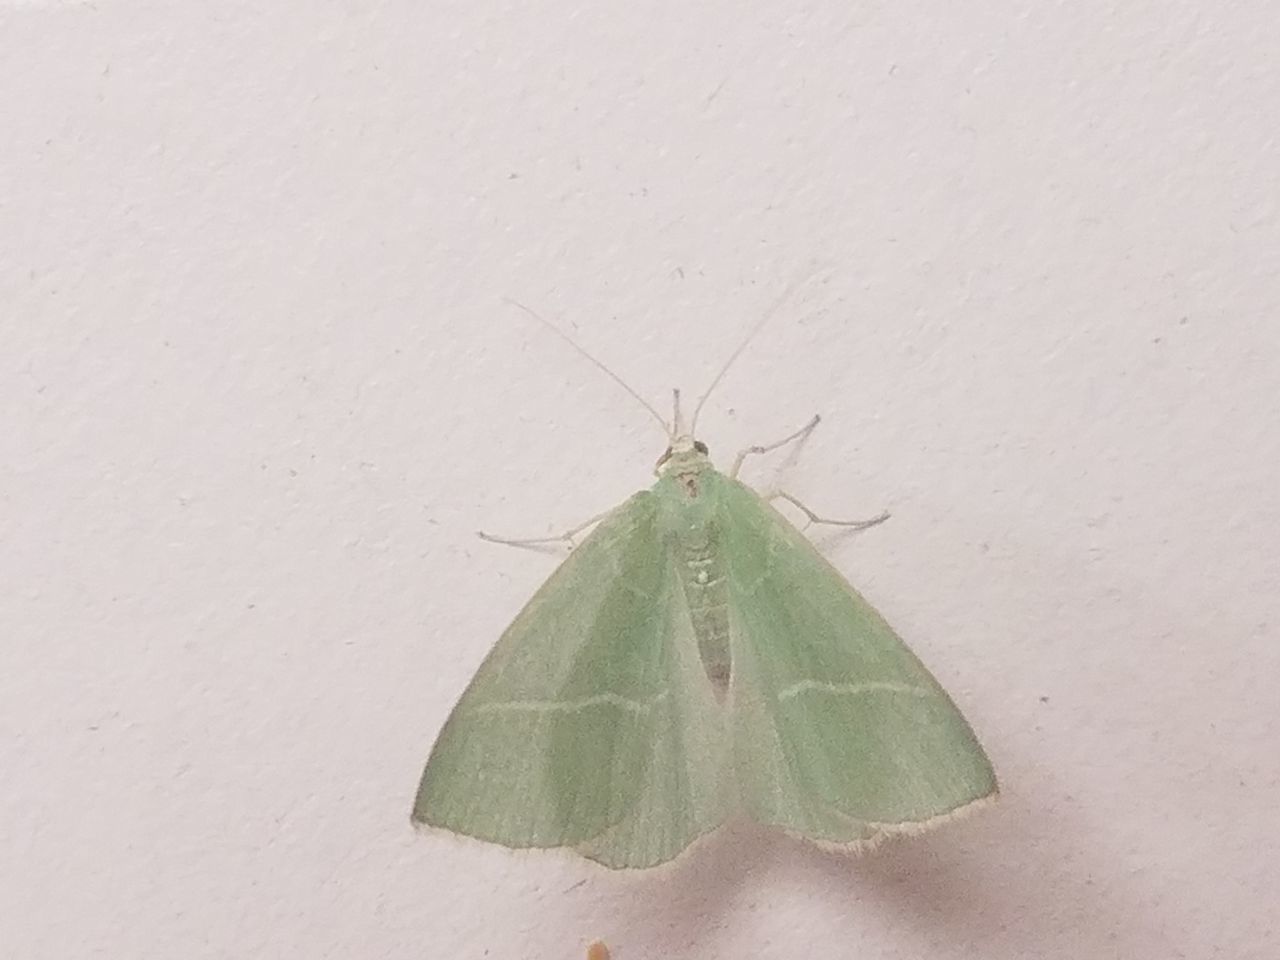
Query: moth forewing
x,y
587,726
841,734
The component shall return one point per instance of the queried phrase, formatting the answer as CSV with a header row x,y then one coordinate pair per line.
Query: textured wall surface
x,y
259,389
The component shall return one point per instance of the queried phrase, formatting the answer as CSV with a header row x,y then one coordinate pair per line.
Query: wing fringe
x,y
885,831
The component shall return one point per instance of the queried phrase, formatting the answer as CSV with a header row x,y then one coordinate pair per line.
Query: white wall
x,y
260,389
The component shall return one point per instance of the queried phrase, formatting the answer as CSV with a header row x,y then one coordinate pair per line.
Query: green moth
x,y
693,659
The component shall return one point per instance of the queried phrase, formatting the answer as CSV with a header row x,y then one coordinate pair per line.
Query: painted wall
x,y
260,388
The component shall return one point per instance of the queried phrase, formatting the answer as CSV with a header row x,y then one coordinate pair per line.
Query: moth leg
x,y
566,538
814,518
799,435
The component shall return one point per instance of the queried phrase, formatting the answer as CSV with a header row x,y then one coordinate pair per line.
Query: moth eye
x,y
666,455
699,446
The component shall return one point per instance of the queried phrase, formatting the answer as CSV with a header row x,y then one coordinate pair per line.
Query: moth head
x,y
683,449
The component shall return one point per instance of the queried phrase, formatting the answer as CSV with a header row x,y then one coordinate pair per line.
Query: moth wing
x,y
839,733
586,726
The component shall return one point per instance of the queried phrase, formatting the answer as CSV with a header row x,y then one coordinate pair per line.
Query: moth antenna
x,y
751,334
582,350
677,421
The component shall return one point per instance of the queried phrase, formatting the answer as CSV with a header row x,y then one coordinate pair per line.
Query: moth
x,y
694,659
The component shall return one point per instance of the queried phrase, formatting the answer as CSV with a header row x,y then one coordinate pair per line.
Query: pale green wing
x,y
840,733
590,724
